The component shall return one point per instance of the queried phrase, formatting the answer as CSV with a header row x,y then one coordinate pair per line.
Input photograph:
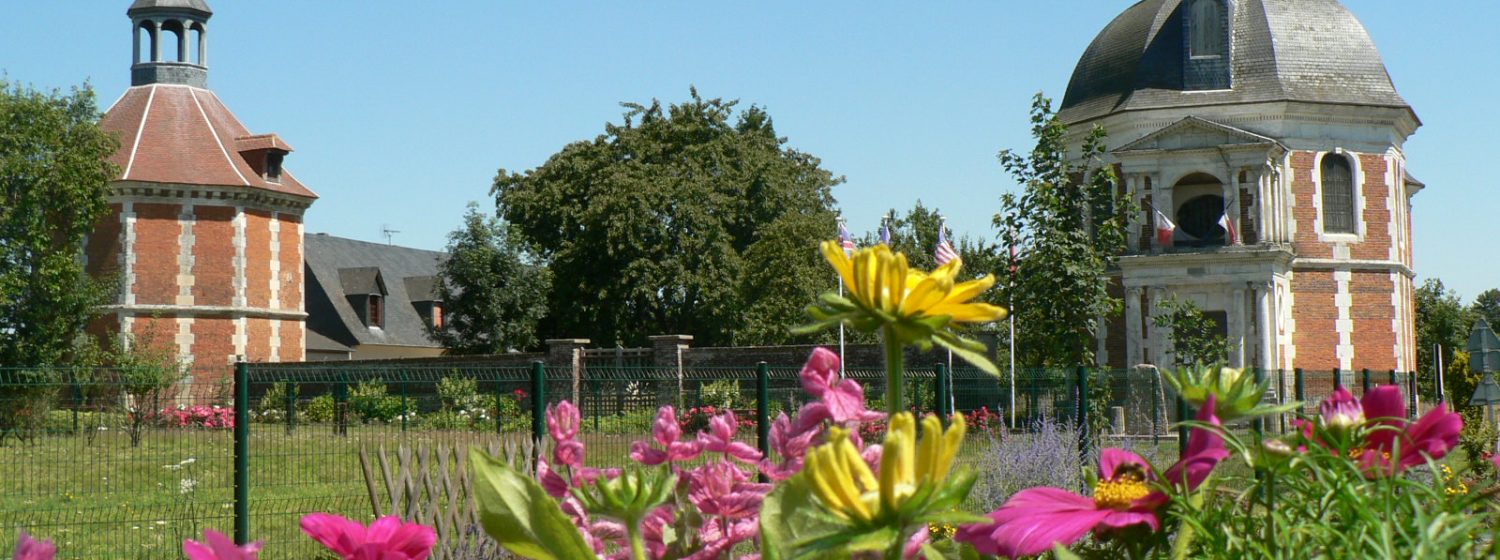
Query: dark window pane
x,y
1338,195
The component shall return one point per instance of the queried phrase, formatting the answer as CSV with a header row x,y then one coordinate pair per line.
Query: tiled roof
x,y
185,135
335,265
1281,50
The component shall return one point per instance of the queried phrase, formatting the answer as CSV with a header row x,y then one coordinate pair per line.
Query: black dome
x,y
1280,50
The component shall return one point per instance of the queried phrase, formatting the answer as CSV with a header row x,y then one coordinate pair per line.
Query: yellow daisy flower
x,y
909,468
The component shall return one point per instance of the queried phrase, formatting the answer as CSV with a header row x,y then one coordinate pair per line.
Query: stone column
x,y
182,42
135,42
1232,205
1238,325
1161,201
1132,190
1158,337
667,351
155,41
203,45
1264,326
568,353
1133,353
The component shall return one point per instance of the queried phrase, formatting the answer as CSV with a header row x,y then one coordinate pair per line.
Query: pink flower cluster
x,y
718,500
388,538
197,416
1390,444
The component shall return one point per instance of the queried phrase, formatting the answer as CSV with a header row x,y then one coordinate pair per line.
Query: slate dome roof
x,y
1281,50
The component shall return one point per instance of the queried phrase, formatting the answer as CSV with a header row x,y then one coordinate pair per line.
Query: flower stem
x,y
893,366
637,543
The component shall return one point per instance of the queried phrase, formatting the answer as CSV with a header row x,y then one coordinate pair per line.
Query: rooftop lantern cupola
x,y
171,42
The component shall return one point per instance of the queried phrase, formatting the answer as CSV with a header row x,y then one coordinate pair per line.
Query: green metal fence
x,y
89,459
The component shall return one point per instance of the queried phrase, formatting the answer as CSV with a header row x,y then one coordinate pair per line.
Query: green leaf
x,y
1062,553
516,512
788,516
962,350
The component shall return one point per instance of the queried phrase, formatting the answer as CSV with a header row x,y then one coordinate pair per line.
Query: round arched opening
x,y
173,37
1199,218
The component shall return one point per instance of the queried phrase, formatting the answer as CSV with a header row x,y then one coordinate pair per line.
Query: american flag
x,y
845,238
885,232
944,251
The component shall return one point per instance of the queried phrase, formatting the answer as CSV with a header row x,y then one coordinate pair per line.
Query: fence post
x,y
1364,381
1411,395
241,453
405,404
341,406
291,406
1338,379
500,397
1393,377
763,409
944,400
538,405
1082,413
1155,410
1182,429
1259,424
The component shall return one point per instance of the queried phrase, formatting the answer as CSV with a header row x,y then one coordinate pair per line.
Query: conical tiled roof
x,y
185,135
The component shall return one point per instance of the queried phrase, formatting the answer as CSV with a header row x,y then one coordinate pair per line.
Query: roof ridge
x,y
215,133
139,129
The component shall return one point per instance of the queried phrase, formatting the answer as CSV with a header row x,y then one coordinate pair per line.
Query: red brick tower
x,y
1271,134
205,226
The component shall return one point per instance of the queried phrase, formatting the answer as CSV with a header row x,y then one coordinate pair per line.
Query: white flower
x,y
188,485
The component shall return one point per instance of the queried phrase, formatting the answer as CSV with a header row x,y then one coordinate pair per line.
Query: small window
x,y
273,166
437,315
1206,29
1338,194
376,312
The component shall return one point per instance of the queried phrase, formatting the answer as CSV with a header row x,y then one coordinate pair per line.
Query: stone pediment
x,y
1194,133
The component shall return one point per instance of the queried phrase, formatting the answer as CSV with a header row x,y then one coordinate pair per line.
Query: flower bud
x,y
1276,448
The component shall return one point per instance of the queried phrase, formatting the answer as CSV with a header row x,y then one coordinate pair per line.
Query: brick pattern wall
x,y
213,255
1316,316
1376,213
257,258
290,282
292,349
157,234
1371,309
258,340
105,243
213,341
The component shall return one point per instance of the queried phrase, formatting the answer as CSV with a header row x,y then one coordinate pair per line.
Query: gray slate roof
x,y
335,265
1282,50
200,6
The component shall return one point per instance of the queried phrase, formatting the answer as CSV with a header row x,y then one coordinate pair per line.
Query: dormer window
x,y
1206,29
375,311
273,166
1206,49
437,315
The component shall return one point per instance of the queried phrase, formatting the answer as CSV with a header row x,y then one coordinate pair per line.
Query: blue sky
x,y
400,112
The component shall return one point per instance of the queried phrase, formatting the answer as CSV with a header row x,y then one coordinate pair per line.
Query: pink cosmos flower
x,y
388,538
216,546
720,439
28,548
666,432
563,421
1391,443
1205,450
1035,519
843,399
568,452
721,488
790,441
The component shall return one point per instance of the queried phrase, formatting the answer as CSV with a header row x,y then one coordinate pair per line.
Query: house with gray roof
x,y
370,300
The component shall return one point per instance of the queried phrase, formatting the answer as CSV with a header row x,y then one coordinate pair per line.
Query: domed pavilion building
x,y
1263,141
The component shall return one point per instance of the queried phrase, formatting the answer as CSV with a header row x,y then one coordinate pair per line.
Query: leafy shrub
x,y
274,399
459,393
60,422
369,401
1478,442
724,393
319,409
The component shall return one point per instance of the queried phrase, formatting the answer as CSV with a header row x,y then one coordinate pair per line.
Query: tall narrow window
x,y
1206,29
376,315
1338,194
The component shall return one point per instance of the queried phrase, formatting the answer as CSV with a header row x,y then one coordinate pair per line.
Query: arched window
x,y
174,47
1206,29
195,44
1338,194
145,43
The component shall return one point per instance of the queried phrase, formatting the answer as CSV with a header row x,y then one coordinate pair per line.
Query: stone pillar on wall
x,y
568,353
1239,326
1133,340
667,351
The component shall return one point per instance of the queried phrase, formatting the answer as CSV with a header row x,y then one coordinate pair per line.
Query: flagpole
x,y
1011,301
843,244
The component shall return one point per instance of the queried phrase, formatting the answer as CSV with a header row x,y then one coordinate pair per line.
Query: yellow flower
x,y
909,467
881,281
912,306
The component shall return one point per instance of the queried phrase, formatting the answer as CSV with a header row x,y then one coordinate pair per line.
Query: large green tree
x,y
54,177
1442,321
1068,222
1487,305
493,292
653,226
